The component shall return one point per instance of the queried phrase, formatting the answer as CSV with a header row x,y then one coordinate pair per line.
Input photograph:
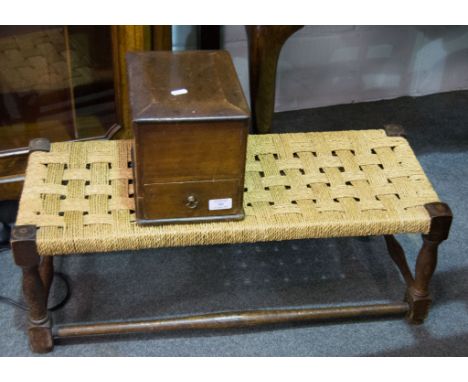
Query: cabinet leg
x,y
265,43
23,243
417,294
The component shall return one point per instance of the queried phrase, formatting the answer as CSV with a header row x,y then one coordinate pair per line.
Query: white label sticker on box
x,y
220,204
177,92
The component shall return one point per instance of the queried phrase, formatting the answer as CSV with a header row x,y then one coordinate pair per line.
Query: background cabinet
x,y
62,83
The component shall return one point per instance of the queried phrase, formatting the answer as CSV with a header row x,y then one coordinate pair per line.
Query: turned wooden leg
x,y
265,43
46,272
398,256
23,244
417,294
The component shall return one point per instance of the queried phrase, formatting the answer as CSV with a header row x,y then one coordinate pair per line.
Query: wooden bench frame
x,y
38,274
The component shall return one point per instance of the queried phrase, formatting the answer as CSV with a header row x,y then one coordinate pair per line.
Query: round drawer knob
x,y
191,201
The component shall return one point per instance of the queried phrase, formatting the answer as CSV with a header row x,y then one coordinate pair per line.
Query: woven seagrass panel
x,y
303,185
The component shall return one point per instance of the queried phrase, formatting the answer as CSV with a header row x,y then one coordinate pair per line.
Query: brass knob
x,y
191,201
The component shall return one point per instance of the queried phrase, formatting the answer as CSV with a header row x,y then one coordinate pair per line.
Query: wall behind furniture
x,y
184,37
329,65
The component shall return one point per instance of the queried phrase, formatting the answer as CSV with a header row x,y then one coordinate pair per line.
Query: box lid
x,y
184,86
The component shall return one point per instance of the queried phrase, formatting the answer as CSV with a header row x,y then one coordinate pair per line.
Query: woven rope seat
x,y
302,185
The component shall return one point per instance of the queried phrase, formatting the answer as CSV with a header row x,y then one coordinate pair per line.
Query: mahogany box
x,y
190,122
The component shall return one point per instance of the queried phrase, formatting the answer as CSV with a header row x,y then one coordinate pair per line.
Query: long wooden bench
x,y
78,199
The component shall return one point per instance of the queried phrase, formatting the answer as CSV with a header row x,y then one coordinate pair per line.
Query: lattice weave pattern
x,y
305,185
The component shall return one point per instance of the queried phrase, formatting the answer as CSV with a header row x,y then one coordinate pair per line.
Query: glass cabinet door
x,y
55,82
61,83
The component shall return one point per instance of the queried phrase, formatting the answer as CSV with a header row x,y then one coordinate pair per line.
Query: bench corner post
x,y
25,254
417,294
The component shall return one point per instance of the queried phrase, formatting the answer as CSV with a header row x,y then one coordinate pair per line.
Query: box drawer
x,y
191,201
